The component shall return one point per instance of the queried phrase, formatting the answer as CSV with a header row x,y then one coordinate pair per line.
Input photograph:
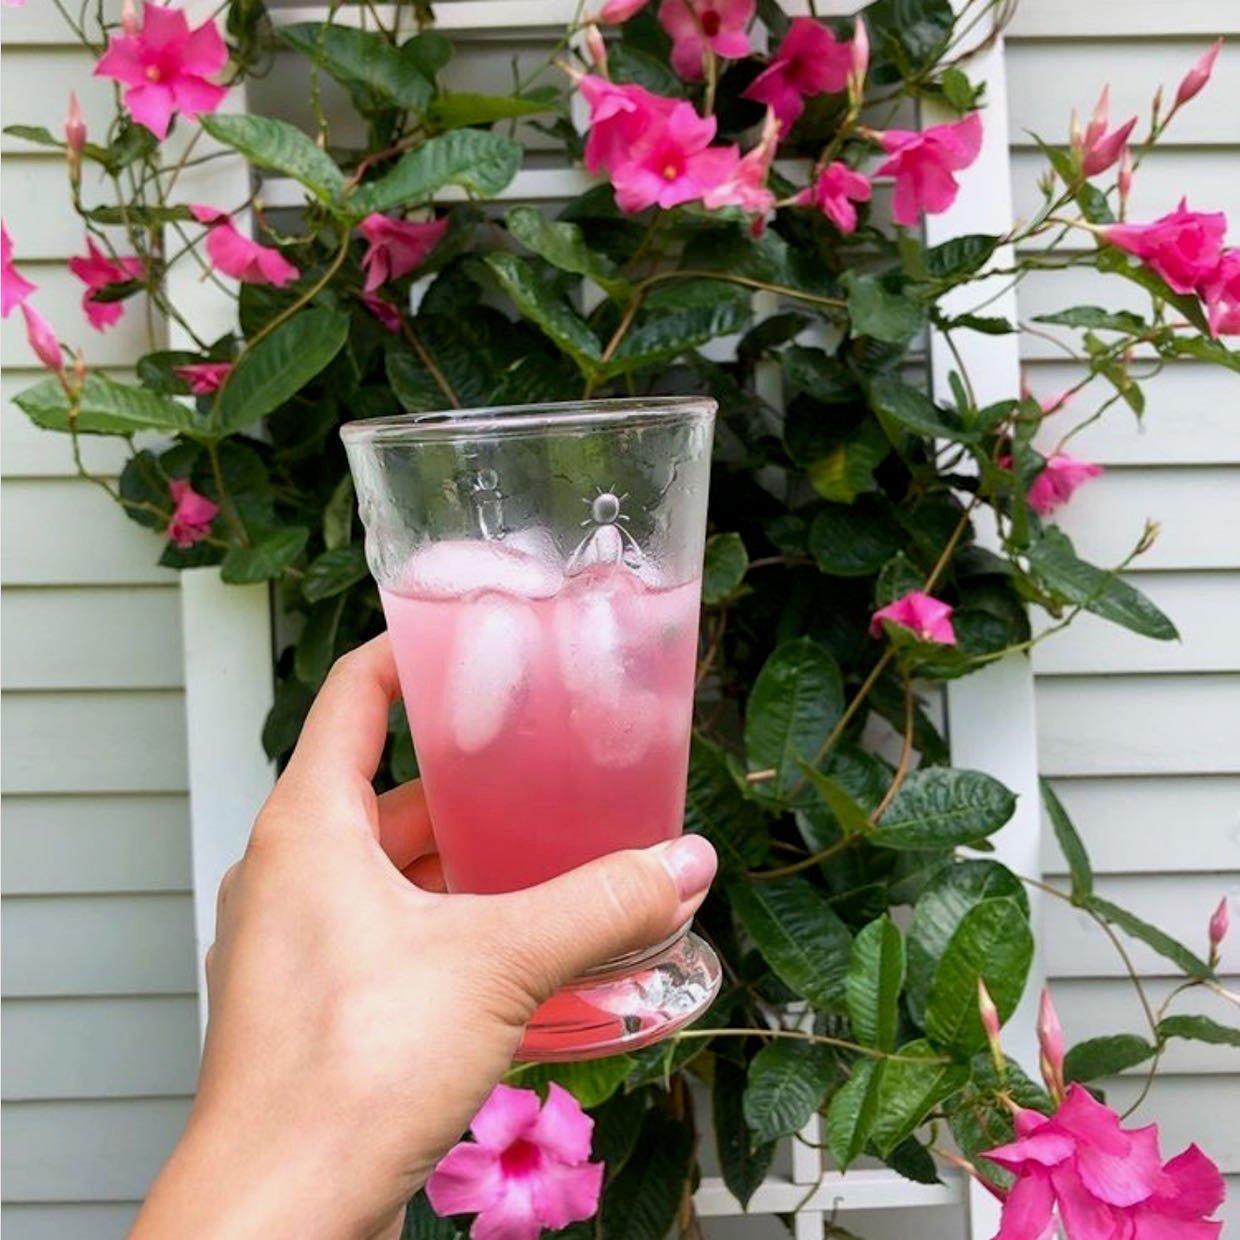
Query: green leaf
x,y
138,216
422,1223
412,384
678,316
959,91
547,310
849,816
106,407
913,1161
872,987
877,312
641,1202
338,514
1107,1056
563,246
992,942
909,35
475,160
744,1165
941,807
716,808
617,1125
280,147
34,133
725,567
457,109
430,51
363,59
940,909
590,1081
913,411
1200,1029
316,647
987,324
959,257
851,1113
1053,560
1116,261
848,469
795,702
824,378
630,65
333,572
267,558
788,1081
280,365
909,1090
800,935
1151,936
1070,843
1095,318
854,540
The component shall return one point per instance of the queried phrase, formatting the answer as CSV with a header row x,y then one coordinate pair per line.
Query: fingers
x,y
405,824
620,903
427,873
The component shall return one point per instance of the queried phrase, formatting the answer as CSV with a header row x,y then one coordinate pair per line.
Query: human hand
x,y
358,1016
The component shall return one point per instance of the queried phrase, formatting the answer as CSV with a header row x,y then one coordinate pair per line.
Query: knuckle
x,y
639,893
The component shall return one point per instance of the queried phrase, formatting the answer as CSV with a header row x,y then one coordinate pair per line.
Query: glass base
x,y
627,1008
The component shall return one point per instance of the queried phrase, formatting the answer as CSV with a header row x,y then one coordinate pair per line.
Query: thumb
x,y
619,903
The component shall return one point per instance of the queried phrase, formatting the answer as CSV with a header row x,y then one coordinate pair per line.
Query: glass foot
x,y
632,1007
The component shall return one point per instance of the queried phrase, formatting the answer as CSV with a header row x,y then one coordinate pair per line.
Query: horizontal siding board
x,y
39,212
1134,725
68,532
1122,20
70,638
100,1048
88,1151
59,1221
1127,823
94,742
28,451
68,845
98,945
57,70
1187,1109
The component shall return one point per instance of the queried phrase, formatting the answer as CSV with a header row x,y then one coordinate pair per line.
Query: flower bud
x,y
991,1024
1220,922
596,48
1100,119
43,340
79,374
75,137
1156,108
1198,75
1125,180
860,62
129,17
1050,1046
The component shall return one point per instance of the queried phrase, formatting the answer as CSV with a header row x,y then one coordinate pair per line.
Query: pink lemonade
x,y
551,714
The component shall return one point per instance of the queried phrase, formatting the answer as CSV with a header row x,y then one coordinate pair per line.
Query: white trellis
x,y
228,629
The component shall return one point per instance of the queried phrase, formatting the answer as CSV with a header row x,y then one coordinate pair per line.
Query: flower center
x,y
152,73
670,171
520,1159
710,23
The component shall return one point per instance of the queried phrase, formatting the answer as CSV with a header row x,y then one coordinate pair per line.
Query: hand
x,y
358,1016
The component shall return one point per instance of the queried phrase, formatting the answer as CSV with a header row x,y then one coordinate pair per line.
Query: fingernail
x,y
691,861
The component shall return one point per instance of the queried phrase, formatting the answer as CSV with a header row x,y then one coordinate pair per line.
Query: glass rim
x,y
541,417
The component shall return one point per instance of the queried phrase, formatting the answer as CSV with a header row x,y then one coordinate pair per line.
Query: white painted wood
x,y
39,211
1180,1105
40,25
54,1222
1122,19
26,451
57,70
97,945
860,1189
65,845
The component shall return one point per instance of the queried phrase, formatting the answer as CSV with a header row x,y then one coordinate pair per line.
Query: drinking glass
x,y
540,570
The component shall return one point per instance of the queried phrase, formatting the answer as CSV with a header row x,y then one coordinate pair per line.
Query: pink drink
x,y
551,715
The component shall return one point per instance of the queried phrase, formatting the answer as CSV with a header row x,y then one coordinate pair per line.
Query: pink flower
x,y
97,271
1105,1182
837,188
619,116
923,163
927,618
397,246
165,64
673,162
596,46
1198,75
1220,923
745,185
1050,1046
1056,483
1098,149
698,25
75,136
810,61
43,340
192,514
619,10
238,256
525,1170
203,377
14,287
384,311
1183,247
1220,290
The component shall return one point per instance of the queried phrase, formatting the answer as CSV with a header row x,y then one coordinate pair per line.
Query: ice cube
x,y
590,634
493,652
458,567
619,732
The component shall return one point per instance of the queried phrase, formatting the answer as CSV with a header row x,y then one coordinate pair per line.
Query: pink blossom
x,y
192,514
927,618
810,61
75,132
859,58
238,256
1105,1182
97,271
1098,149
129,17
596,46
14,287
43,340
1220,923
1056,483
922,165
397,246
615,11
203,377
619,116
165,65
1183,247
1220,290
525,1170
745,186
384,311
696,26
1196,78
1050,1046
838,186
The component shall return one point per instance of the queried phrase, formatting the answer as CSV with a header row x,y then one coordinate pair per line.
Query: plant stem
x,y
427,360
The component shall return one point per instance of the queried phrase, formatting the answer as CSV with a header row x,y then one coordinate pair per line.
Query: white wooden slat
x,y
1049,78
68,532
91,639
1122,19
76,844
1127,823
1205,607
94,742
97,945
1180,904
38,24
58,70
1188,1109
1139,725
100,1048
28,451
56,1221
88,1151
39,212
860,1189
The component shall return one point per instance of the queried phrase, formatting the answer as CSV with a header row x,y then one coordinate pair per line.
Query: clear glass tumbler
x,y
540,569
